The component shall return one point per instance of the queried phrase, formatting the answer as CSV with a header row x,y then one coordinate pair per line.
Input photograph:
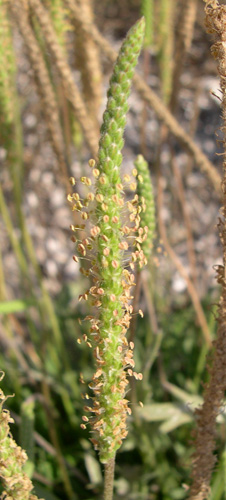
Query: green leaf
x,y
13,306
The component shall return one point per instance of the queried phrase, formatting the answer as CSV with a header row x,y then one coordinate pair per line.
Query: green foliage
x,y
27,434
38,352
147,10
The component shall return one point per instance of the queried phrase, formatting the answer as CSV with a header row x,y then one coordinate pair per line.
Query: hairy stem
x,y
109,472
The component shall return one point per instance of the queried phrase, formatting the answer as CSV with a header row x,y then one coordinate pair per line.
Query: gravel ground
x,y
44,201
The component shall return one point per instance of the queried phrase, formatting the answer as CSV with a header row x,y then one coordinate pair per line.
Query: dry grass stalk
x,y
204,458
183,39
151,98
60,21
175,128
167,10
187,220
7,62
88,62
176,261
44,86
65,73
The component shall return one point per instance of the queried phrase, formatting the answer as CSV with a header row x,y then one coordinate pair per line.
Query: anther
x,y
92,163
72,181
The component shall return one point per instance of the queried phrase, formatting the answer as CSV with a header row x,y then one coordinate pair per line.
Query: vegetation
x,y
104,356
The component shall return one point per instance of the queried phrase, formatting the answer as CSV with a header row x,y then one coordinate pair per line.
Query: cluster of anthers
x,y
109,238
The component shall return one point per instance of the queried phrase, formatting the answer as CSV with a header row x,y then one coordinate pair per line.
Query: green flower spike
x,y
146,199
107,249
16,483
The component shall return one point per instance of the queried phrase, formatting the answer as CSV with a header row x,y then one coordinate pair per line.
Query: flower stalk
x,y
16,483
204,458
107,249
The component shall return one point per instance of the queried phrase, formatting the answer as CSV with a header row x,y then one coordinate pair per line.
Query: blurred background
x,y
56,60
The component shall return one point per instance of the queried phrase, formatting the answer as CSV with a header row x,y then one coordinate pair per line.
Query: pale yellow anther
x,y
99,197
130,206
103,180
96,172
114,264
85,418
90,196
126,230
81,249
92,163
98,373
79,204
85,216
123,245
104,238
86,180
95,231
126,178
72,181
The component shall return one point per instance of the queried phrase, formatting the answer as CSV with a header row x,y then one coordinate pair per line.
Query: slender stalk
x,y
71,90
204,457
109,472
152,99
191,288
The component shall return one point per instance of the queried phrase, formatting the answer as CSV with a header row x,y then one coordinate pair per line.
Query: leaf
x,y
93,469
13,306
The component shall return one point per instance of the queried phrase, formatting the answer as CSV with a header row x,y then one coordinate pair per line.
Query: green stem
x,y
109,473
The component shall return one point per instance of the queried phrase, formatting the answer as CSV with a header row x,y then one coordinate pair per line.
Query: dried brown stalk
x,y
204,458
183,38
191,289
151,98
50,109
187,220
70,87
87,60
